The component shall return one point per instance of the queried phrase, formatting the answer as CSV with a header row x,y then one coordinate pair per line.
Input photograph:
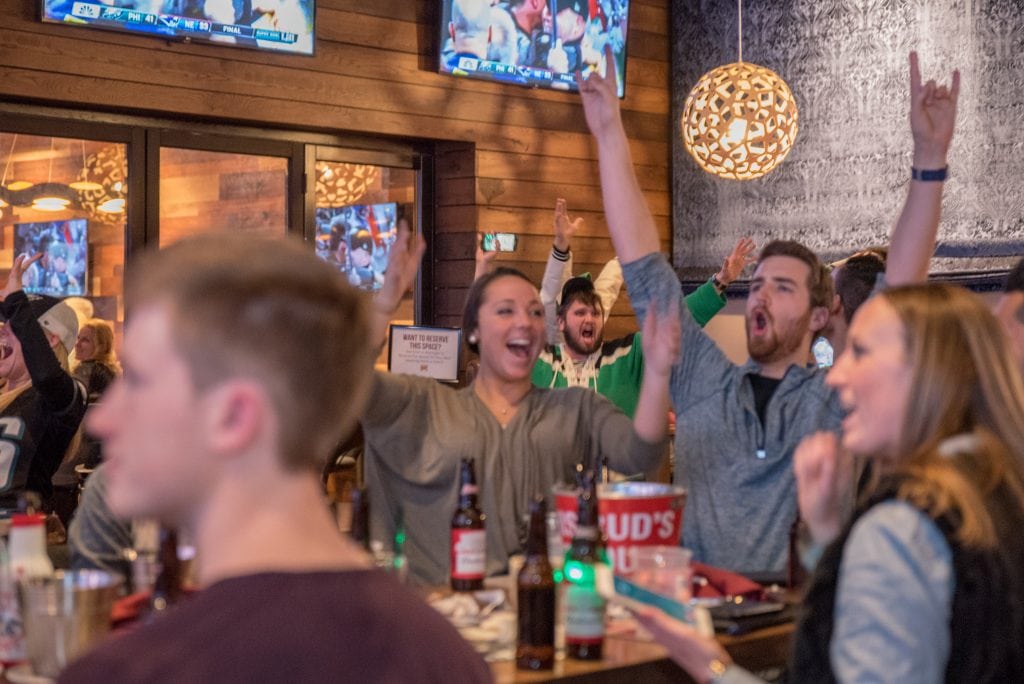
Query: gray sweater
x,y
417,430
741,496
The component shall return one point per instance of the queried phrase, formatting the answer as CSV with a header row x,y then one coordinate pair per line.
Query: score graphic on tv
x,y
282,25
532,44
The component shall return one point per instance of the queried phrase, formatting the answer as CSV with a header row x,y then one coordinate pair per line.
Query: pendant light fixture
x,y
740,120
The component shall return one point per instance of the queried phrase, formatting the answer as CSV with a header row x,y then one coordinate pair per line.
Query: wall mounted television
x,y
63,270
534,43
279,25
357,239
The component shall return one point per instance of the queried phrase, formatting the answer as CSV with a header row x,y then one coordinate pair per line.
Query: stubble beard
x,y
775,346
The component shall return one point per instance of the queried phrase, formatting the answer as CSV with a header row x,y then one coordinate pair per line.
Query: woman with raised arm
x,y
525,439
41,406
926,582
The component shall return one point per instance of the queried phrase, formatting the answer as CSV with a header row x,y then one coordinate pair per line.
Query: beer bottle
x,y
167,587
584,606
468,540
359,528
535,584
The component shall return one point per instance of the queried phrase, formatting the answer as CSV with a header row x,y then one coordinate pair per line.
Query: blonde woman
x,y
41,406
926,582
94,349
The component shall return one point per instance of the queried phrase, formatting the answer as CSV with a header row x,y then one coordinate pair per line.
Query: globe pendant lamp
x,y
740,120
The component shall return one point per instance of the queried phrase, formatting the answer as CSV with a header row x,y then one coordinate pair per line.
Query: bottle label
x,y
469,554
584,615
536,616
468,489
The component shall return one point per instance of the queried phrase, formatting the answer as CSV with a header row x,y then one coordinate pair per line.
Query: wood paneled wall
x,y
373,73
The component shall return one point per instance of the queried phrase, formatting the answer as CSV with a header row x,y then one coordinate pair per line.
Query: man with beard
x,y
737,426
614,368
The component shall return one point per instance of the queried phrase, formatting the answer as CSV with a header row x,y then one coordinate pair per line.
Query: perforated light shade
x,y
342,184
106,169
739,121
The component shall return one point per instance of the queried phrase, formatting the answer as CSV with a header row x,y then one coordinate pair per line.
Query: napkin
x,y
722,582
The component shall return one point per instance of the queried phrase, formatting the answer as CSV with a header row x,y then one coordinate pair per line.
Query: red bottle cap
x,y
27,519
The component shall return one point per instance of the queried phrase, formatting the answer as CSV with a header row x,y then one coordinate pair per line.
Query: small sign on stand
x,y
430,352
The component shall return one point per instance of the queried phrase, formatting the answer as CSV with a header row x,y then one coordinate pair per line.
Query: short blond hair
x,y
267,309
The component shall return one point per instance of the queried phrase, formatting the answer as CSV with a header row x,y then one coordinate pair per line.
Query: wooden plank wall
x,y
374,73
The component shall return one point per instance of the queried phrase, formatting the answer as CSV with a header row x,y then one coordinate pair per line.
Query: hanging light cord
x,y
14,141
739,24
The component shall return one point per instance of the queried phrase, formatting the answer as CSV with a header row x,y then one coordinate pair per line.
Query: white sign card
x,y
430,352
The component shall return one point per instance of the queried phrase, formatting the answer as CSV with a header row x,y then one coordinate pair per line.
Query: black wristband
x,y
718,284
928,174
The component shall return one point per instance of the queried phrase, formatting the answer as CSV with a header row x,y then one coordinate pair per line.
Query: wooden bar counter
x,y
628,657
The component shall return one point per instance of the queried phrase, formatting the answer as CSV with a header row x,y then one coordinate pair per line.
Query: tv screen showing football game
x,y
62,270
282,25
535,43
357,240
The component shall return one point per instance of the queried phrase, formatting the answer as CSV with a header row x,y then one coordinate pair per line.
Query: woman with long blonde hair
x,y
925,582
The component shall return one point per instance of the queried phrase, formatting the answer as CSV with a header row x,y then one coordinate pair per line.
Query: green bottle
x,y
584,606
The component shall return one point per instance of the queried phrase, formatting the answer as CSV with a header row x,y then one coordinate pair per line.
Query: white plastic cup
x,y
665,570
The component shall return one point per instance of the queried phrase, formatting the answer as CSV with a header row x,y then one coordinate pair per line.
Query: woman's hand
x,y
932,117
403,264
695,653
662,339
22,262
823,481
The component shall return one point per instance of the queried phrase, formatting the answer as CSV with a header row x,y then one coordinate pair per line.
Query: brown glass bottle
x,y
167,586
359,530
468,539
584,606
535,585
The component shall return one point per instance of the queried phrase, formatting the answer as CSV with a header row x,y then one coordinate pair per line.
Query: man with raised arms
x,y
737,426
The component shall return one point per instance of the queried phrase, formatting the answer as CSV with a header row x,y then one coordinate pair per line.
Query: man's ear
x,y
560,320
237,413
819,319
837,306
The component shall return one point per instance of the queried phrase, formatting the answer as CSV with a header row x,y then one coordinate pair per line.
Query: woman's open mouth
x,y
520,348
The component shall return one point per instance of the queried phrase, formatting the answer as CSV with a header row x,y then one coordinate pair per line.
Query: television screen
x,y
62,271
357,240
537,43
283,25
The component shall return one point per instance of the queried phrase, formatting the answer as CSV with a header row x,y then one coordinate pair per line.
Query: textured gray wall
x,y
844,182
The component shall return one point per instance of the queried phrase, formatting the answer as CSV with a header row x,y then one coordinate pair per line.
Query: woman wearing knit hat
x,y
41,406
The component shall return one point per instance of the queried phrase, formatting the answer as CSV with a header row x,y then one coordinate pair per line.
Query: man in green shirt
x,y
613,368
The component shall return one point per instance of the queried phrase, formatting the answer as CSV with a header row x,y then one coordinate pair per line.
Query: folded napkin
x,y
722,582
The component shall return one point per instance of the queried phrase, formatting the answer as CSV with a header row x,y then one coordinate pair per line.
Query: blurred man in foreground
x,y
233,396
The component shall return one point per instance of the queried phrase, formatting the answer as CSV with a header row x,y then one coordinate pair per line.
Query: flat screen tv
x,y
535,43
282,25
63,269
357,240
